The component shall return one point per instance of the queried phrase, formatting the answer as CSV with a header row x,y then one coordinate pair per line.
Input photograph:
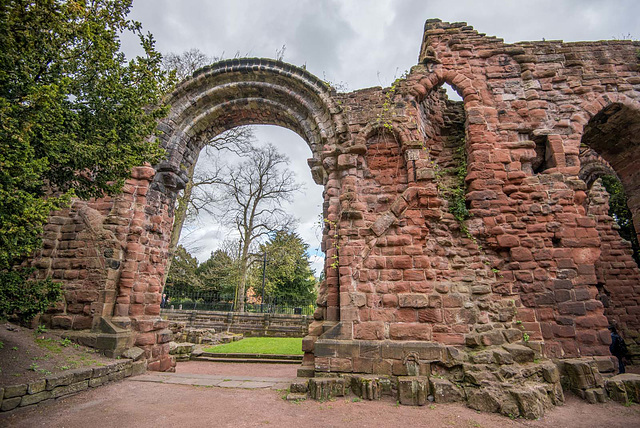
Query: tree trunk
x,y
179,217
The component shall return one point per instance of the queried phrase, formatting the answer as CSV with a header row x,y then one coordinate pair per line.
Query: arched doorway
x,y
610,151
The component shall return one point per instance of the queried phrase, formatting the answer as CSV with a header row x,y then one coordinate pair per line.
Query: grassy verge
x,y
261,345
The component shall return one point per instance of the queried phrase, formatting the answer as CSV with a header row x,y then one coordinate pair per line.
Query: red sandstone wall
x,y
406,269
617,272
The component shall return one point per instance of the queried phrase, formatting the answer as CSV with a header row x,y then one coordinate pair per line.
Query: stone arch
x,y
439,76
243,92
593,166
612,130
400,134
611,146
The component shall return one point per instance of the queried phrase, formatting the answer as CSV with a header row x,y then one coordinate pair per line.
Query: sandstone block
x,y
133,353
97,381
413,390
444,391
617,390
28,400
530,402
582,374
325,388
299,387
595,395
520,353
10,403
413,300
69,389
37,386
366,387
15,391
138,367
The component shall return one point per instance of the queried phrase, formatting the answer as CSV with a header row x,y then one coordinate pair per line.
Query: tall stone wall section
x,y
110,255
617,272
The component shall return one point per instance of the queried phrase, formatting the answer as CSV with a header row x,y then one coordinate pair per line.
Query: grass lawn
x,y
261,345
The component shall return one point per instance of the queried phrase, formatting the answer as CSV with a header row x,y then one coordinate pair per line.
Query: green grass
x,y
261,345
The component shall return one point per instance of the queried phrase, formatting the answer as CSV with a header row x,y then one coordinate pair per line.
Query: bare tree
x,y
253,197
200,192
184,64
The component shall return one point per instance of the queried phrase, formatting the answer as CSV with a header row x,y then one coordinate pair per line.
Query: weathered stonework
x,y
538,263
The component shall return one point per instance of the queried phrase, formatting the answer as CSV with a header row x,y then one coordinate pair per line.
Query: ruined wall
x,y
617,272
409,275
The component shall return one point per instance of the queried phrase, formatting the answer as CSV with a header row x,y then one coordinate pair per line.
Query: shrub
x,y
25,297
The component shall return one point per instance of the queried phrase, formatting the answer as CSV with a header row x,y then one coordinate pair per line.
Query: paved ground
x,y
222,381
160,400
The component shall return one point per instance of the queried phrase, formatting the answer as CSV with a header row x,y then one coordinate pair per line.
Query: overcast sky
x,y
358,44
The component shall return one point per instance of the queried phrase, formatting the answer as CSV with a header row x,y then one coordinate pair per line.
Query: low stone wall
x,y
66,383
248,324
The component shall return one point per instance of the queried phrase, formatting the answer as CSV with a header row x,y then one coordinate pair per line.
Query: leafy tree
x,y
220,273
288,274
620,212
183,276
74,114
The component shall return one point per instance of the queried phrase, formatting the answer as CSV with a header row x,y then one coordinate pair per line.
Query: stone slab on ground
x,y
222,381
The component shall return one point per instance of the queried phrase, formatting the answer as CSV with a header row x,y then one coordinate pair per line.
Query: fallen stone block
x,y
299,387
413,390
133,353
483,400
325,388
582,374
531,403
595,395
366,387
293,396
632,386
616,390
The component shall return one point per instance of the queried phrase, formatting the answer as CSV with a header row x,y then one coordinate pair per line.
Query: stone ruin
x,y
415,288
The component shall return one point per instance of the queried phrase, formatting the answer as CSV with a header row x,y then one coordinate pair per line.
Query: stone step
x,y
245,360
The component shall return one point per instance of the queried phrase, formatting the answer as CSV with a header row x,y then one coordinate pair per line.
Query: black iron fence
x,y
213,301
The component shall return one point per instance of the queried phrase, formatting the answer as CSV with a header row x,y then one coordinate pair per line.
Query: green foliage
x,y
183,276
74,113
456,193
453,185
24,297
220,273
620,212
288,273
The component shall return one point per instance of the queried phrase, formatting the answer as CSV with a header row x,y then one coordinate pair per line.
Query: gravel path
x,y
151,404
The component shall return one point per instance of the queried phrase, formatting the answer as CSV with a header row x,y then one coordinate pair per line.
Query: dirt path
x,y
147,404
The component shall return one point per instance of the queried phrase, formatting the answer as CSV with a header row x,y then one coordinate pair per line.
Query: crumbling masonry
x,y
414,285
